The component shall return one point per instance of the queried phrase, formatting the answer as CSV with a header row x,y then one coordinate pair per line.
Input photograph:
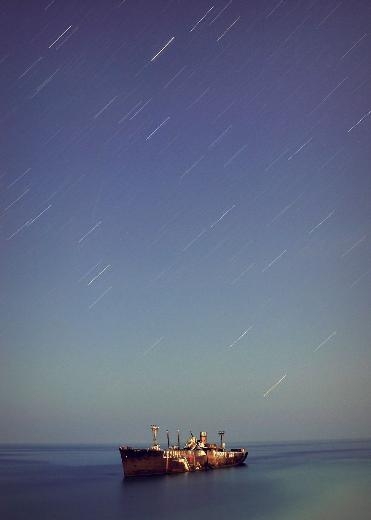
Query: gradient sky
x,y
185,219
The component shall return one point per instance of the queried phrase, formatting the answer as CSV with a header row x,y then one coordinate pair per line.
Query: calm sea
x,y
316,480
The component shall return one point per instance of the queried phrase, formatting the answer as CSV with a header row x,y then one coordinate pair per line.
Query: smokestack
x,y
203,437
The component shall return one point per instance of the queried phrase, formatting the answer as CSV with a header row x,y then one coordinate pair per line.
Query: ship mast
x,y
168,439
154,429
221,433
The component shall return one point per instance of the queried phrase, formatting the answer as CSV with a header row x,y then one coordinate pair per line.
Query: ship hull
x,y
225,459
148,462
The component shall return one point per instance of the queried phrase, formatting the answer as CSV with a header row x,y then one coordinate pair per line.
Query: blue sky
x,y
185,219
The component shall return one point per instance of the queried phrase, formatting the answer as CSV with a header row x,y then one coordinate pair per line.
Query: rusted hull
x,y
147,462
137,462
225,459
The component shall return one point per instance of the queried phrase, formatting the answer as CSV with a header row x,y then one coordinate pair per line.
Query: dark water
x,y
324,480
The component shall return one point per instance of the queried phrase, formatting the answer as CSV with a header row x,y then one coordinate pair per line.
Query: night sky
x,y
185,219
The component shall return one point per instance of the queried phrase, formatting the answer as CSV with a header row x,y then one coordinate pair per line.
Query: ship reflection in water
x,y
196,455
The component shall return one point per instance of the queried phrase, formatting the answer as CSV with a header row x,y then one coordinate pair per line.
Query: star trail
x,y
183,170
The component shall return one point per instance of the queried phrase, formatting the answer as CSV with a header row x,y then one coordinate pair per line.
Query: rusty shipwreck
x,y
196,455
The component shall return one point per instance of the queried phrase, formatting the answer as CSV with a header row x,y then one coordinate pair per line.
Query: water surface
x,y
309,481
